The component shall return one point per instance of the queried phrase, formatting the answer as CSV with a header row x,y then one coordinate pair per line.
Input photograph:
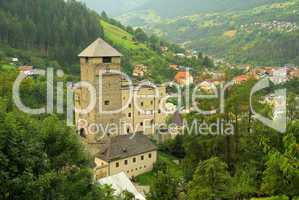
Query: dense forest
x,y
57,29
253,163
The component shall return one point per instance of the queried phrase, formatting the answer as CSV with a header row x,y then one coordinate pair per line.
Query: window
x,y
142,157
128,130
141,123
107,103
159,111
130,115
130,105
142,104
107,60
152,102
134,160
117,164
150,155
126,162
86,60
136,169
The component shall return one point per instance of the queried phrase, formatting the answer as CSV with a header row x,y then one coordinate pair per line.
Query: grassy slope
x,y
175,170
137,53
120,37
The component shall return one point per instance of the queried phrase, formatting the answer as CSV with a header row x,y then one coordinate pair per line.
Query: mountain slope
x,y
175,8
137,53
114,7
265,35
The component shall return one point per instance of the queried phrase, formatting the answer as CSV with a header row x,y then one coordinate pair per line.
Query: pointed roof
x,y
99,48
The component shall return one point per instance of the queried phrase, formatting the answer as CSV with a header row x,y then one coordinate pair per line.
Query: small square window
x,y
141,123
142,104
126,162
159,111
134,160
86,60
128,130
107,60
107,103
152,102
117,164
150,155
130,105
142,157
130,115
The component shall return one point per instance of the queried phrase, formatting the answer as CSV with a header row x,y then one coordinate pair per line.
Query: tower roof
x,y
99,48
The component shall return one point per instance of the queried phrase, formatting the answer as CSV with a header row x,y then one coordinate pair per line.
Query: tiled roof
x,y
182,75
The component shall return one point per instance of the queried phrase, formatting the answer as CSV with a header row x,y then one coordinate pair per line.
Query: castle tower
x,y
100,57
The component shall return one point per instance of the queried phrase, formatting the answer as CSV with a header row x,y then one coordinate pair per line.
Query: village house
x,y
174,67
180,55
184,78
27,70
14,60
280,75
207,86
294,73
241,79
139,70
163,49
131,154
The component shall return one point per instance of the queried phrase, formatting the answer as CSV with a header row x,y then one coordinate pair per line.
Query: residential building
x,y
174,67
27,70
131,154
139,70
241,79
184,78
294,73
208,86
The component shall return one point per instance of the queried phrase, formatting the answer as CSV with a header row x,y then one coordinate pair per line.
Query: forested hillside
x,y
58,29
114,7
265,35
176,8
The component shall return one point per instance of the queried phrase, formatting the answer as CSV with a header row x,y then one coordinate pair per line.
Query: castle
x,y
134,108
